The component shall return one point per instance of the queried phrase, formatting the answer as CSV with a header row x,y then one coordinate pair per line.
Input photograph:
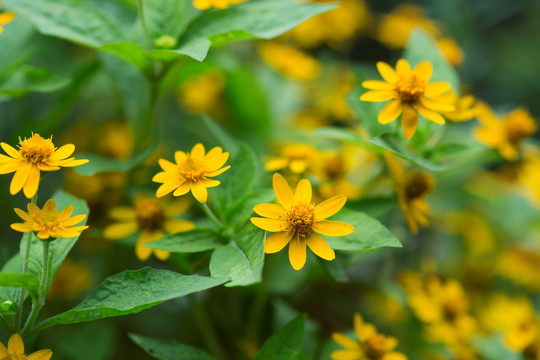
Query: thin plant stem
x,y
211,215
26,255
146,37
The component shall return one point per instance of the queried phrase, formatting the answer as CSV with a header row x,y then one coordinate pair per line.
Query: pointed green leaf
x,y
32,79
191,241
28,281
169,349
286,343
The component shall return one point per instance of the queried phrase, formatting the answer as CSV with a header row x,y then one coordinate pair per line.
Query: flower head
x,y
411,188
370,345
48,222
191,172
289,61
15,351
411,94
35,154
220,4
297,158
298,222
5,17
153,218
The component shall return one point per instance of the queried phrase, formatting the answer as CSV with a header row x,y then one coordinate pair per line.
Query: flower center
x,y
301,218
150,214
46,221
375,347
418,185
36,149
192,169
410,89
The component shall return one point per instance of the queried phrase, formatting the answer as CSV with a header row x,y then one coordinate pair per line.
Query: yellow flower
x,y
504,134
297,222
71,279
153,218
200,93
35,154
5,18
48,222
466,107
220,4
15,351
297,158
191,172
520,266
395,28
410,92
334,27
289,61
451,50
369,344
411,188
116,141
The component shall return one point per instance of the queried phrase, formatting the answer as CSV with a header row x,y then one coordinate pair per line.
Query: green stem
x,y
146,37
26,255
206,329
211,215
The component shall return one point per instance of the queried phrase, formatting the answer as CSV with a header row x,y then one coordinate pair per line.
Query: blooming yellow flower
x,y
15,351
201,93
289,61
411,188
369,344
35,154
153,218
191,172
220,4
297,222
504,134
410,92
466,107
297,158
5,18
48,222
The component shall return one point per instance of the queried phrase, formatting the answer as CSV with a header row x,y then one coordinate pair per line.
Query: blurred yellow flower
x,y
153,218
335,27
48,222
35,154
394,29
220,4
116,141
504,133
15,350
410,92
333,170
520,266
191,172
297,222
451,50
369,345
71,279
411,189
466,107
289,61
5,17
201,93
297,158
529,174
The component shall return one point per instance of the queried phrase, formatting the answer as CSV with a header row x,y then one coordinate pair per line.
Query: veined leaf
x,y
286,343
169,349
28,281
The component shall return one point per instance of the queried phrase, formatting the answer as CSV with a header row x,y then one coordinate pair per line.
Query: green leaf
x,y
73,20
422,46
191,241
340,134
130,52
239,213
242,259
196,49
169,349
130,292
393,144
16,46
286,343
28,281
164,17
220,135
32,79
242,175
492,348
369,233
264,19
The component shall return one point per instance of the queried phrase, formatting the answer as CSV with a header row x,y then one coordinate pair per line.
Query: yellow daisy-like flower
x,y
5,17
220,4
48,222
289,61
410,92
369,344
297,158
466,107
153,218
191,172
15,351
451,50
411,188
298,222
35,154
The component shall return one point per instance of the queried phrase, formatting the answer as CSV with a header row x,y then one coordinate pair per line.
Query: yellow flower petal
x,y
179,157
297,253
272,225
66,213
209,183
436,105
199,191
217,172
320,247
403,68
161,177
197,152
303,192
167,165
329,207
123,213
283,191
347,354
69,162
30,188
50,206
23,215
409,121
11,166
387,72
182,189
3,350
120,230
377,85
20,227
273,211
333,228
74,220
390,112
437,88
162,254
177,207
378,95
15,345
176,226
394,356
215,159
276,164
276,242
168,187
20,178
10,150
431,115
345,341
424,70
64,152
298,166
45,354
6,17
